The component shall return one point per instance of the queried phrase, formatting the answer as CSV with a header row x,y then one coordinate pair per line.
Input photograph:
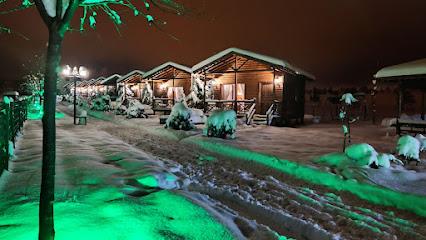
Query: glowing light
x,y
279,79
163,86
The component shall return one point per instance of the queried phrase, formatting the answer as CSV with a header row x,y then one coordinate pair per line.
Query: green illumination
x,y
160,215
371,193
149,181
35,112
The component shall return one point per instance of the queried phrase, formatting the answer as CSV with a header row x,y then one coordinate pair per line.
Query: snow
x,y
221,124
137,110
417,67
197,116
422,140
111,80
97,193
363,154
238,51
179,118
348,99
408,147
134,72
101,103
147,94
165,65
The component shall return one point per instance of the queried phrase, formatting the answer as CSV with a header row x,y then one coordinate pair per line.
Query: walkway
x,y
105,189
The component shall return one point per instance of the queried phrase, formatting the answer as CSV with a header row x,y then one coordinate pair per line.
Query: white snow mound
x,y
408,147
363,154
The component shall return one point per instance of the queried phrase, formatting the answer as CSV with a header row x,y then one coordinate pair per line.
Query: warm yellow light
x,y
163,86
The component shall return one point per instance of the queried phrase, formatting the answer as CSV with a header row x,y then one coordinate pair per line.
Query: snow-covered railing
x,y
12,117
250,114
162,104
271,112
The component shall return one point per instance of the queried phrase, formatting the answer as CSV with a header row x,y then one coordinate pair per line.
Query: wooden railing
x,y
12,118
250,114
243,106
271,112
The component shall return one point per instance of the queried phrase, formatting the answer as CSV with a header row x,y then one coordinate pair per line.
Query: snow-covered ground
x,y
107,189
285,203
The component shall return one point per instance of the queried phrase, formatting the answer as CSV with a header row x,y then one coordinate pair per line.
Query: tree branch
x,y
69,14
43,13
59,9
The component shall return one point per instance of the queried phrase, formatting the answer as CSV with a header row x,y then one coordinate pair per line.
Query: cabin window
x,y
228,91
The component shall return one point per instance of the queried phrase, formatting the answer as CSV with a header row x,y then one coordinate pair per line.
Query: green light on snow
x,y
371,193
149,181
160,215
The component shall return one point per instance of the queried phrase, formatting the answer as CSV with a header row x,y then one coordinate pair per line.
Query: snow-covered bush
x,y
360,155
101,103
221,124
147,94
196,95
422,140
179,118
348,98
409,147
363,154
137,110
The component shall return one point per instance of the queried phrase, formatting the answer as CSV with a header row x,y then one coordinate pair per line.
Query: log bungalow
x,y
109,85
132,81
170,82
405,76
259,87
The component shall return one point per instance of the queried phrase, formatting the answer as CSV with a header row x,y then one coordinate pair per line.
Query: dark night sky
x,y
339,41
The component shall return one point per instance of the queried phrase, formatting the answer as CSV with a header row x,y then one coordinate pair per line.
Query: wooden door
x,y
266,96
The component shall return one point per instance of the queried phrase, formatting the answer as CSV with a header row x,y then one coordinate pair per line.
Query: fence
x,y
12,117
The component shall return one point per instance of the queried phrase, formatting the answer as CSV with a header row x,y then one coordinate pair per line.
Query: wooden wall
x,y
253,83
185,83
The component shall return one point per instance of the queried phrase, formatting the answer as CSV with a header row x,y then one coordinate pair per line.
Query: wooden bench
x,y
410,126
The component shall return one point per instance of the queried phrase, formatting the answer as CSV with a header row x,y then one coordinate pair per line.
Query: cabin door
x,y
266,97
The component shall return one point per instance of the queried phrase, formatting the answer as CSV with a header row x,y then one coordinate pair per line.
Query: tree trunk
x,y
47,192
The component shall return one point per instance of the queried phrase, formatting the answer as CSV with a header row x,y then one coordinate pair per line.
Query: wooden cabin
x,y
108,86
252,83
409,78
170,82
132,81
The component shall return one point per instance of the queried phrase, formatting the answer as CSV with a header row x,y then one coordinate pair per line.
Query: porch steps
x,y
260,119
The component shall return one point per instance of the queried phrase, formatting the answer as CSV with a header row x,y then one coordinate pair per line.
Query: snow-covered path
x,y
105,189
289,206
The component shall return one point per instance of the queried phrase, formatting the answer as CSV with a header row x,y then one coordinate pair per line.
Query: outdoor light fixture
x,y
75,74
279,80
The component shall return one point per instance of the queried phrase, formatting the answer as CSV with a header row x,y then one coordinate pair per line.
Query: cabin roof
x,y
130,74
168,70
111,80
225,58
409,70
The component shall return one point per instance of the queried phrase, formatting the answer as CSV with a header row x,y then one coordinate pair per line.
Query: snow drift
x,y
221,124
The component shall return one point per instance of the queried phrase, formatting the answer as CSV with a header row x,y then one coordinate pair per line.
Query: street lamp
x,y
76,74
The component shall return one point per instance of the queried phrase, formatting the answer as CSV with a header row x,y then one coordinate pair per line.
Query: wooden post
x,y
235,86
204,92
423,105
153,93
173,86
400,93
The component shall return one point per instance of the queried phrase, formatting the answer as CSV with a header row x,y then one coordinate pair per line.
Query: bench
x,y
410,126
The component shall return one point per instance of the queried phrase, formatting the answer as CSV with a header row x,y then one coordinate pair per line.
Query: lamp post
x,y
76,74
373,100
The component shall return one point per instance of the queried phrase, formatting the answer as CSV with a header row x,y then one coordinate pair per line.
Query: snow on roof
x,y
108,79
165,65
130,74
242,52
417,67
